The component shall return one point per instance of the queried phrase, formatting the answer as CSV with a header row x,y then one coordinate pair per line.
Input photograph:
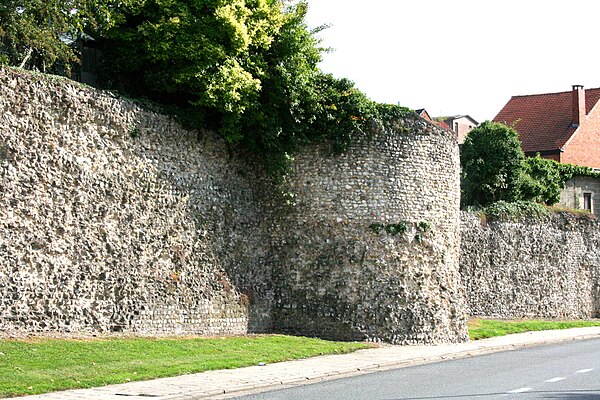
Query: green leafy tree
x,y
494,169
30,33
343,111
248,68
35,34
492,164
204,53
289,96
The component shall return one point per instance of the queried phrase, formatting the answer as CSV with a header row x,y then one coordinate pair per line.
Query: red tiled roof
x,y
441,124
544,120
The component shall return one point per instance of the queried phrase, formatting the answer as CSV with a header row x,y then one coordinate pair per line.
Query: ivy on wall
x,y
421,229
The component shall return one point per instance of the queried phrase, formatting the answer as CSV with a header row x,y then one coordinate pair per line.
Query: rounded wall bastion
x,y
369,246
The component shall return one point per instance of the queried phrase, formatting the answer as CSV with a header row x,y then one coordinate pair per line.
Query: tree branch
x,y
26,58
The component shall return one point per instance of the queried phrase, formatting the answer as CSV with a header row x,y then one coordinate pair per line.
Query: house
x,y
421,112
564,127
459,124
442,125
582,192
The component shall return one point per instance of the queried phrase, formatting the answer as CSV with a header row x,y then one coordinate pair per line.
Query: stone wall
x,y
113,218
546,268
370,247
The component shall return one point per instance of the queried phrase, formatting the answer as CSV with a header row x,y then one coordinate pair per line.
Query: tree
x,y
494,168
492,164
30,33
205,53
35,34
247,68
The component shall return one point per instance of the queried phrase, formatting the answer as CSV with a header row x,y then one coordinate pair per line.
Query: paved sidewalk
x,y
227,383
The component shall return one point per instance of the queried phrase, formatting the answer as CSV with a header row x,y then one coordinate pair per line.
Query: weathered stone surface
x,y
531,268
337,277
114,218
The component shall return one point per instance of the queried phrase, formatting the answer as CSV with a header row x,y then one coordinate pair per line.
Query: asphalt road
x,y
569,371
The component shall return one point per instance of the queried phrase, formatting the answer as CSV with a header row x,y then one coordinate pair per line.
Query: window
x,y
587,201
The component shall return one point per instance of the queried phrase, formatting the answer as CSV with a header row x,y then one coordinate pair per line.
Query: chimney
x,y
578,104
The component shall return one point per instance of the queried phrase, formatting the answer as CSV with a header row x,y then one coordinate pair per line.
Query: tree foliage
x,y
492,164
494,169
35,34
30,32
248,68
207,52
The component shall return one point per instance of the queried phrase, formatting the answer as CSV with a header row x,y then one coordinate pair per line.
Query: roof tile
x,y
543,121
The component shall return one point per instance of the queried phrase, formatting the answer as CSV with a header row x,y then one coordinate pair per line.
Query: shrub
x,y
492,165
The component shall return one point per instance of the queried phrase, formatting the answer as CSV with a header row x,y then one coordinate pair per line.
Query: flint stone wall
x,y
114,218
340,274
525,268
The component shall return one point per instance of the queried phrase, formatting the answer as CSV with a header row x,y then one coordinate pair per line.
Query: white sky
x,y
460,56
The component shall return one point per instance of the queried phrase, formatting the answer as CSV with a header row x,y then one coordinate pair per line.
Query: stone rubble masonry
x,y
337,273
526,268
115,219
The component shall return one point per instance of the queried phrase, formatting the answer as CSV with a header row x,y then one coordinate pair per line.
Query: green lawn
x,y
39,366
486,328
44,365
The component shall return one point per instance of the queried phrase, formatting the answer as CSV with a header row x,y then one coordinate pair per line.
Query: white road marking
x,y
583,371
520,390
558,378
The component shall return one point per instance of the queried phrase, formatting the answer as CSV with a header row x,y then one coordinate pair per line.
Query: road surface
x,y
568,371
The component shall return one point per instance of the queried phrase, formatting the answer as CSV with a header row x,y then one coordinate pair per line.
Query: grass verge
x,y
486,328
45,365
